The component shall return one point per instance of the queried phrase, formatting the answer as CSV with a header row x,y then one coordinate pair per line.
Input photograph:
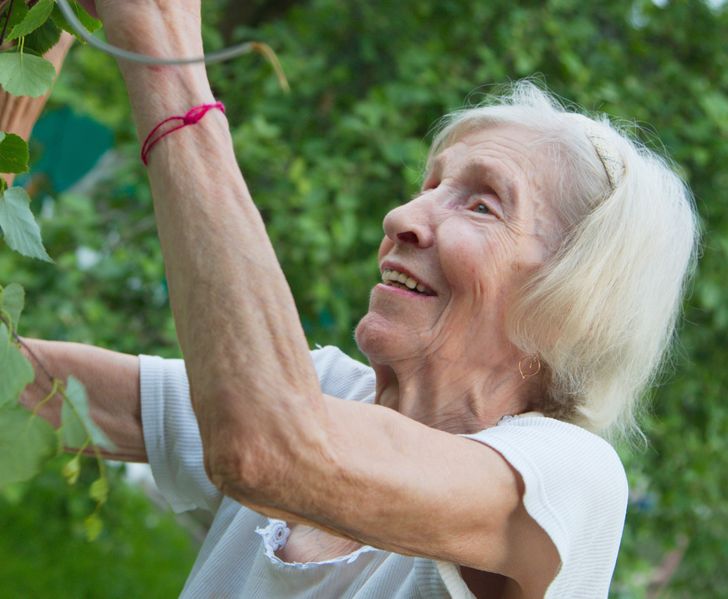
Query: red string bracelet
x,y
192,117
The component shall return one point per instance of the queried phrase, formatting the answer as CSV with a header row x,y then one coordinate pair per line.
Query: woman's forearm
x,y
235,316
111,380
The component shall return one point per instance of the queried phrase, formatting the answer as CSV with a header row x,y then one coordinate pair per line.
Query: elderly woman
x,y
528,293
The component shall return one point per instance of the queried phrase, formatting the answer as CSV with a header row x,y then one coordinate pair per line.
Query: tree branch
x,y
666,570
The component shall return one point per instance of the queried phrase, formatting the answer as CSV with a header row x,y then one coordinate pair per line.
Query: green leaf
x,y
12,300
20,10
43,38
23,74
16,371
78,426
22,233
13,154
93,526
72,469
34,18
86,19
26,443
99,490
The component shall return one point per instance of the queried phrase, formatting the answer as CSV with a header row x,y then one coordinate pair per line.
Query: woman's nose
x,y
410,223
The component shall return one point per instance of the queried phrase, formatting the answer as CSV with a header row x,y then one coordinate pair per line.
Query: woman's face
x,y
467,242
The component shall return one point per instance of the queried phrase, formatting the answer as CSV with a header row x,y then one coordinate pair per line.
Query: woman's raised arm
x,y
236,320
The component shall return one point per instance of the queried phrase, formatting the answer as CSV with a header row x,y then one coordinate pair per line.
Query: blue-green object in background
x,y
67,146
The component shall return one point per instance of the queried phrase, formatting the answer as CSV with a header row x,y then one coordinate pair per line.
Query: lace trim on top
x,y
275,536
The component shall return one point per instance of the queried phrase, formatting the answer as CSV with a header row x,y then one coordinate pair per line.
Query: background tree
x,y
327,161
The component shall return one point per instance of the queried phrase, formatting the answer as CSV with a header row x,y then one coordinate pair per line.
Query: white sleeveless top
x,y
575,488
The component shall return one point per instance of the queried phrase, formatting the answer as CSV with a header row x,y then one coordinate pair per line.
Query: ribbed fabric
x,y
575,490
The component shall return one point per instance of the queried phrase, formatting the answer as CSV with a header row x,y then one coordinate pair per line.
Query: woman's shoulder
x,y
575,488
560,459
536,429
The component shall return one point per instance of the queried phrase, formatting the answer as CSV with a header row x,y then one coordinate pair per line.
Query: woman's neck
x,y
453,398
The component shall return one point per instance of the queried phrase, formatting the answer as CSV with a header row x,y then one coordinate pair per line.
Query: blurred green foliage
x,y
327,161
142,551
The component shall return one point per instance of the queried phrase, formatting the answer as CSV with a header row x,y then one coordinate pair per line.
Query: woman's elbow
x,y
244,471
256,457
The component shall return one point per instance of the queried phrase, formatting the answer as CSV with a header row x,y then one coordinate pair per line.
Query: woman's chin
x,y
381,340
369,336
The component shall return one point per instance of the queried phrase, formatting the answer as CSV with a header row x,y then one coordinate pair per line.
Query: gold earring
x,y
529,366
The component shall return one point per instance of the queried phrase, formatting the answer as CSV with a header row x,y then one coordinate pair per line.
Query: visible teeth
x,y
398,278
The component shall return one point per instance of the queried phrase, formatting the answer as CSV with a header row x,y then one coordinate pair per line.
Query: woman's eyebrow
x,y
435,168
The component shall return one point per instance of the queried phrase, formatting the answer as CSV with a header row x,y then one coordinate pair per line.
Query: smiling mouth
x,y
394,278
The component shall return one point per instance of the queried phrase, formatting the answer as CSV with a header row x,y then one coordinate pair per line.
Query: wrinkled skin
x,y
478,229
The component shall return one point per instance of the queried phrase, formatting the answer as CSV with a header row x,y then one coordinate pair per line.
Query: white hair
x,y
601,312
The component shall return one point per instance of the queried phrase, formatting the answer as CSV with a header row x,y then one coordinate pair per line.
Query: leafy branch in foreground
x,y
27,442
28,30
18,225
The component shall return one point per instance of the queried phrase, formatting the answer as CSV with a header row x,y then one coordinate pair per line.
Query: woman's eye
x,y
481,208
